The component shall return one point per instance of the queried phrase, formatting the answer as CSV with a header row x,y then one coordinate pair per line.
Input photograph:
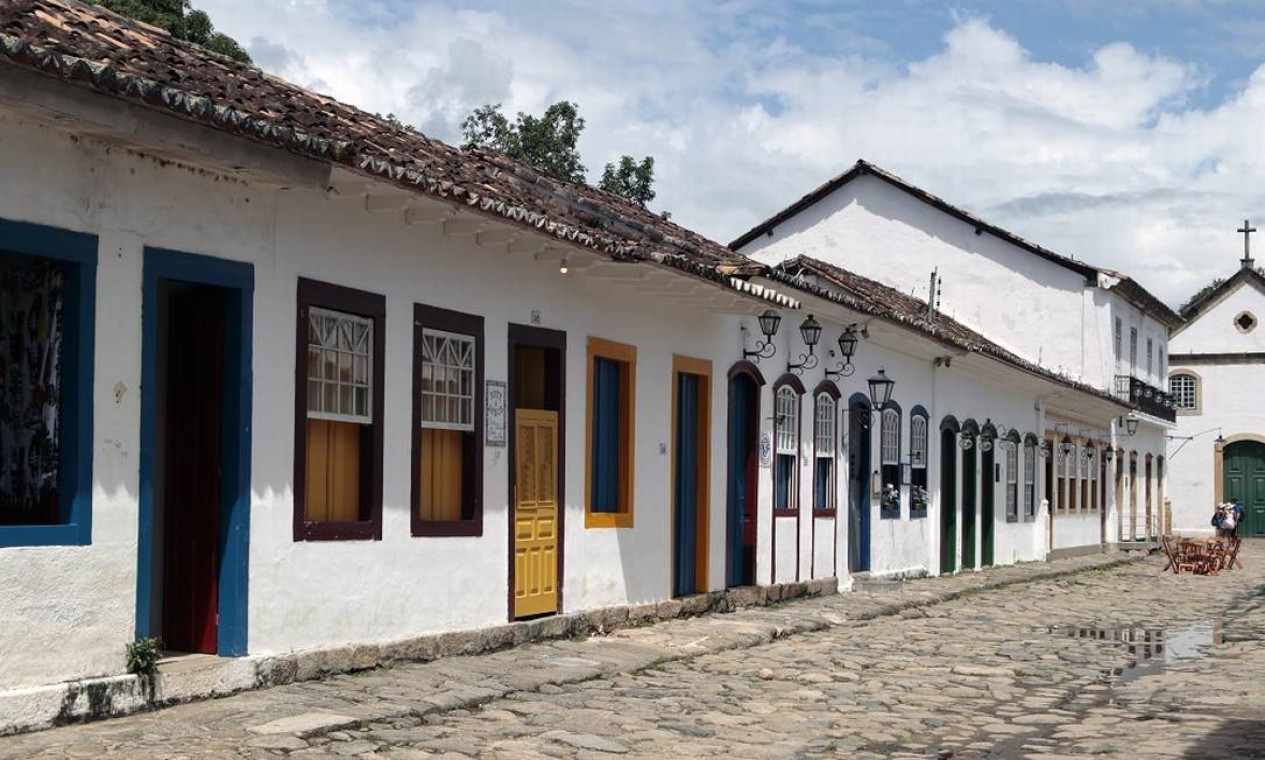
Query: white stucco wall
x,y
307,594
1215,332
1053,316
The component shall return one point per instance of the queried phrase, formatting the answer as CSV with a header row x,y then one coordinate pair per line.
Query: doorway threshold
x,y
182,662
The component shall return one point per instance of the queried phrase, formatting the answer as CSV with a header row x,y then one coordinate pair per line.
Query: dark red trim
x,y
462,324
364,304
828,387
745,367
523,335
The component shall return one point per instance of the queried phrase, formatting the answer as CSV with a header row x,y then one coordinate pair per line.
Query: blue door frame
x,y
238,281
859,502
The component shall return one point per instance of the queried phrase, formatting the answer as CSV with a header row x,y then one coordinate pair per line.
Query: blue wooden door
x,y
685,497
744,411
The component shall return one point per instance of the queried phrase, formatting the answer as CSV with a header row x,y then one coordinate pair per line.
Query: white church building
x,y
1218,448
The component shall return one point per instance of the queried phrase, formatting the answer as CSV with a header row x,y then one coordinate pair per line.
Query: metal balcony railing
x,y
1147,398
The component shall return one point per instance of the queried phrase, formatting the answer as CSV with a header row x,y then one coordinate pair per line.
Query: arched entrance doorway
x,y
970,484
1245,480
859,460
742,474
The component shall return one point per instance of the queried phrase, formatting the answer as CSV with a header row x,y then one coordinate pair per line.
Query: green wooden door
x,y
1245,480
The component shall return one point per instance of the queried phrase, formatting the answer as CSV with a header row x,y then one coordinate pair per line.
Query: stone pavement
x,y
1079,657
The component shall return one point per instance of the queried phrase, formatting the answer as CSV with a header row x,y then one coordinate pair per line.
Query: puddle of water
x,y
1153,647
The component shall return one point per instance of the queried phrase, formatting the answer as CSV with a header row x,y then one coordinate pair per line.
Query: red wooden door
x,y
191,487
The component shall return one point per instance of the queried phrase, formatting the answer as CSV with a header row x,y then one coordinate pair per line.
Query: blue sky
x,y
1124,133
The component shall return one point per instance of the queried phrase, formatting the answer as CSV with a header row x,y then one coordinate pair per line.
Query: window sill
x,y
338,531
832,512
447,528
73,534
601,520
783,512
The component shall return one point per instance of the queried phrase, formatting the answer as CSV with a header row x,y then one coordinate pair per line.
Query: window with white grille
x,y
1183,388
1012,481
918,441
339,366
1030,480
787,421
447,385
824,426
889,437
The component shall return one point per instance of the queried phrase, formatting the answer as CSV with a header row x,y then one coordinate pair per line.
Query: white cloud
x,y
1104,161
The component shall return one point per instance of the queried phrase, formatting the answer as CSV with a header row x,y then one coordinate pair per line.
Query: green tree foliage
x,y
548,142
180,20
630,179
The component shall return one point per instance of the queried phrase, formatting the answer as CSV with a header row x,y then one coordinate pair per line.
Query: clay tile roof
x,y
100,50
866,296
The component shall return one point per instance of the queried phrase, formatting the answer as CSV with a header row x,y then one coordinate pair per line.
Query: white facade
x,y
1218,355
1059,314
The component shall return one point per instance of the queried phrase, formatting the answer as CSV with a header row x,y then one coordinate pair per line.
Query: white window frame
x,y
1012,480
434,356
787,421
315,401
1030,480
918,442
889,438
824,426
1180,396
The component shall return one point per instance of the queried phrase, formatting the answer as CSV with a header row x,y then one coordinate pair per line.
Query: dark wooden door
x,y
744,415
988,494
1245,481
970,480
948,501
191,484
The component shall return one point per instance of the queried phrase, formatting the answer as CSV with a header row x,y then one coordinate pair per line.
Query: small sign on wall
x,y
494,414
766,449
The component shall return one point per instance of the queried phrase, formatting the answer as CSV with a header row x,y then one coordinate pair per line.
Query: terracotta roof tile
x,y
111,54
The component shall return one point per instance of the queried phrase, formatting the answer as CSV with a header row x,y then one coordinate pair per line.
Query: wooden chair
x,y
1171,552
1232,553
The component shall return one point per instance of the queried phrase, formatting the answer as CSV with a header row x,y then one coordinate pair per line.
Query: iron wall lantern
x,y
769,321
847,349
810,331
880,390
1066,445
1131,426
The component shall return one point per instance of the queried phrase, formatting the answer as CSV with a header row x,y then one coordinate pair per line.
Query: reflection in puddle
x,y
1153,647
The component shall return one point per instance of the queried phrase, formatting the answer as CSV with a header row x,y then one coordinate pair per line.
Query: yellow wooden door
x,y
536,512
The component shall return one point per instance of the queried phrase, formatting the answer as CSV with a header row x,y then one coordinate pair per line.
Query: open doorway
x,y
195,453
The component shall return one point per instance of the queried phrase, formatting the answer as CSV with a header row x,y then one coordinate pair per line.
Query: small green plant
x,y
143,655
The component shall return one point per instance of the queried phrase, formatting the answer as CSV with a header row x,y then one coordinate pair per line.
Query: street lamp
x,y
810,331
764,349
880,390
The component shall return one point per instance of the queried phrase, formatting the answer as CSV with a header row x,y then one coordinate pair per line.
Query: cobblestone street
x,y
1112,660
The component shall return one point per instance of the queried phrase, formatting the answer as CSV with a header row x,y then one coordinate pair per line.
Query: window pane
x,y
605,495
31,335
448,376
339,354
333,491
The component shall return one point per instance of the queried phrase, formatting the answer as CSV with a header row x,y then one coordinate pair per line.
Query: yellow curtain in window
x,y
333,471
440,494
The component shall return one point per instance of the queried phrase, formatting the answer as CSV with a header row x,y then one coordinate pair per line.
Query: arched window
x,y
889,456
1011,446
1185,390
786,455
824,436
919,497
